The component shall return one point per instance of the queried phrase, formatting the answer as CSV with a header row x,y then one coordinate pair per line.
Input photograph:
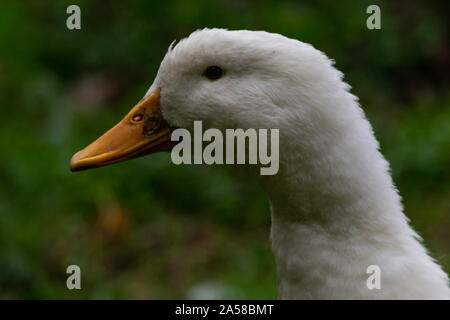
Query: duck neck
x,y
334,214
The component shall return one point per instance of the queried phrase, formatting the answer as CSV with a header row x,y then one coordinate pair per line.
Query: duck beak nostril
x,y
138,117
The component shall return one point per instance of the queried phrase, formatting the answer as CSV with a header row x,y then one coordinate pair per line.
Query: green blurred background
x,y
147,228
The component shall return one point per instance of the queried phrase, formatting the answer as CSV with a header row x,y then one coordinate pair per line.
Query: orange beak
x,y
141,132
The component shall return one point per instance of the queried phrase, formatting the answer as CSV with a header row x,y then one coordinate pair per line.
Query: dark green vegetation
x,y
150,229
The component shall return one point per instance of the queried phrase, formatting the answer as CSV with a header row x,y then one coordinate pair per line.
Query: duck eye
x,y
213,72
138,117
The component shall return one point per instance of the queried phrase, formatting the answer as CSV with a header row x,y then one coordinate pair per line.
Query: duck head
x,y
226,79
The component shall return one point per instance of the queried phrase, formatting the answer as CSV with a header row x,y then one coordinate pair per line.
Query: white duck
x,y
334,208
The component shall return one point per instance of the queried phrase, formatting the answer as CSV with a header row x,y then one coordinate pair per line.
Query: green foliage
x,y
147,228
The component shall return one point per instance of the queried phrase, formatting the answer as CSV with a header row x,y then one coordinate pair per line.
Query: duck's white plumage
x,y
334,208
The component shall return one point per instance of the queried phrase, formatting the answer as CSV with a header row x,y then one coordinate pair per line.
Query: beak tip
x,y
74,163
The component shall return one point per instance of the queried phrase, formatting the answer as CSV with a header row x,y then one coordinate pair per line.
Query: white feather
x,y
334,207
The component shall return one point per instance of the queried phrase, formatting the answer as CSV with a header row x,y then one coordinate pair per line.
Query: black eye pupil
x,y
213,72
